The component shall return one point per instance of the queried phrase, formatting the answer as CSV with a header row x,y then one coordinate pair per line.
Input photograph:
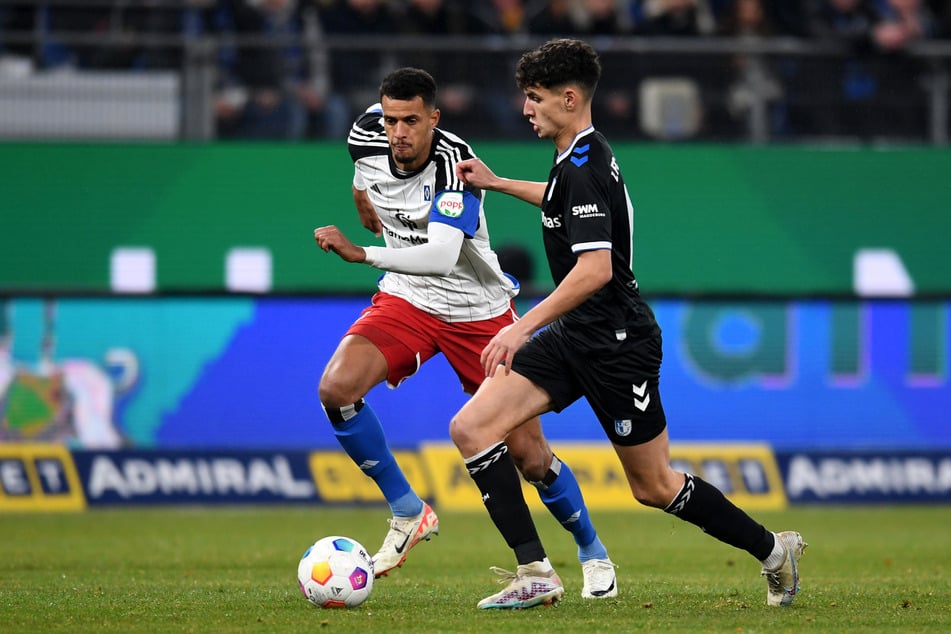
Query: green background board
x,y
709,219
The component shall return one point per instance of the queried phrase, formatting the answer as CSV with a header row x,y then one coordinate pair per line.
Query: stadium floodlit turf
x,y
867,569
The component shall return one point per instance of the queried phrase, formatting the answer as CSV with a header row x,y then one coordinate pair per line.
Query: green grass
x,y
233,570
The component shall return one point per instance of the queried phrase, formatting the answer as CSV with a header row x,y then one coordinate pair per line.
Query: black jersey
x,y
587,207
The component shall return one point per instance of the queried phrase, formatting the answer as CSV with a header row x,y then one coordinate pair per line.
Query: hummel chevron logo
x,y
580,159
573,518
366,465
641,398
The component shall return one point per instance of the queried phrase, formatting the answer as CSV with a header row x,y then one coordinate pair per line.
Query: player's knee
x,y
649,493
336,393
461,433
656,490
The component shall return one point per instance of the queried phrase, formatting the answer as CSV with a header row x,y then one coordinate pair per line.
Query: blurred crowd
x,y
276,77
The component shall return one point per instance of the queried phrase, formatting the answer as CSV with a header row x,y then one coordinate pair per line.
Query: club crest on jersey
x,y
427,193
623,427
450,204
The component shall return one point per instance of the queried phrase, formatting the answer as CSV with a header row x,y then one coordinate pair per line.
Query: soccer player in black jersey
x,y
443,292
601,342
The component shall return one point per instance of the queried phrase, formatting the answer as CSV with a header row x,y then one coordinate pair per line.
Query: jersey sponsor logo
x,y
551,222
412,239
450,204
589,210
406,221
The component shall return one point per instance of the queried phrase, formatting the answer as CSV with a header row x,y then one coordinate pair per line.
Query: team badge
x,y
623,427
427,193
450,204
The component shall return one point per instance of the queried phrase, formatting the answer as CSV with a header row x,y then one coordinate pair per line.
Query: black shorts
x,y
620,384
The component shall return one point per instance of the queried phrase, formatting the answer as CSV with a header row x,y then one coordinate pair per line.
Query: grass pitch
x,y
234,570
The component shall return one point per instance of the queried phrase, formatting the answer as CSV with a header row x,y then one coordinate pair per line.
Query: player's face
x,y
545,109
409,129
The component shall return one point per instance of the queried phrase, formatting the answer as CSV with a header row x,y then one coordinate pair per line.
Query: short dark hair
x,y
558,63
408,83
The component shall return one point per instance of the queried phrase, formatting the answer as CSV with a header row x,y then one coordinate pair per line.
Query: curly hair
x,y
558,63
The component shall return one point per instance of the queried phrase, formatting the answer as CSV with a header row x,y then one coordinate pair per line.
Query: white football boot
x,y
404,533
532,584
600,582
782,583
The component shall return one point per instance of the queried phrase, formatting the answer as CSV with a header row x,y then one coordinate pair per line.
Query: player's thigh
x,y
354,368
501,405
402,333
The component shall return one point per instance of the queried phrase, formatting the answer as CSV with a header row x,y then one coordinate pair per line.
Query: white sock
x,y
777,556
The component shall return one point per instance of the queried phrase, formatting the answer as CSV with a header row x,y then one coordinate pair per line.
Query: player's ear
x,y
570,98
434,117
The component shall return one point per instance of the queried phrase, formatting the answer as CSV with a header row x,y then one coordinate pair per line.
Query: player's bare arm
x,y
367,212
592,271
476,173
330,238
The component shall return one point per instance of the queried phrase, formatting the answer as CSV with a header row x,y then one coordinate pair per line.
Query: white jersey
x,y
475,289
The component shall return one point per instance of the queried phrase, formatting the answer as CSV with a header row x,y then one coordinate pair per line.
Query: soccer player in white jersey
x,y
601,343
443,292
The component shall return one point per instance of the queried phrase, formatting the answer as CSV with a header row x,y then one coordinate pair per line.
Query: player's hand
x,y
476,173
501,349
330,238
367,212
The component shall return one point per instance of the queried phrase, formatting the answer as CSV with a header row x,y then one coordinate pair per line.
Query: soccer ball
x,y
336,572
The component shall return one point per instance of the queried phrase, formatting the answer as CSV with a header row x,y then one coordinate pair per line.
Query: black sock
x,y
703,504
495,474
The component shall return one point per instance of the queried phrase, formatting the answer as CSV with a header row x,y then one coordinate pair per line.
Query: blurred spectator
x,y
675,17
589,19
111,37
787,17
755,83
942,12
875,92
455,72
16,17
845,91
555,17
902,87
106,49
356,73
277,87
902,23
499,17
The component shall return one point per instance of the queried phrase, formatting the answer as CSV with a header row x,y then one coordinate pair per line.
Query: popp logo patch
x,y
450,204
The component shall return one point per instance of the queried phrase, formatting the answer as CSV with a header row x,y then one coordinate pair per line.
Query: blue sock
x,y
361,436
561,493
